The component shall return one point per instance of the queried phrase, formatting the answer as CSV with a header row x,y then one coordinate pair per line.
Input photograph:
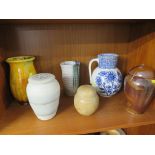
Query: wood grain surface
x,y
70,21
142,46
52,44
111,114
5,97
54,41
141,130
142,51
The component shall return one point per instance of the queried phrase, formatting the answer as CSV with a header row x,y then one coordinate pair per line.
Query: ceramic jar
x,y
86,100
106,78
113,132
21,68
43,92
139,88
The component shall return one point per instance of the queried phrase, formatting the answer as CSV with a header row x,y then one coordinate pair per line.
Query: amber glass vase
x,y
21,68
139,86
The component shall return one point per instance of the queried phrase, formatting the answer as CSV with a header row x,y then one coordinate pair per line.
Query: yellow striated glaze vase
x,y
21,68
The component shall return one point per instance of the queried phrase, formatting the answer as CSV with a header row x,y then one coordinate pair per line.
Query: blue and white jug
x,y
106,78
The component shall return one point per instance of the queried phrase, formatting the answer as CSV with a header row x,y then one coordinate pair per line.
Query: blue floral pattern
x,y
108,60
98,81
102,73
108,82
110,76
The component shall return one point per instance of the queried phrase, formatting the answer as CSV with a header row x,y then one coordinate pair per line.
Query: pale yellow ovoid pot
x,y
86,100
21,68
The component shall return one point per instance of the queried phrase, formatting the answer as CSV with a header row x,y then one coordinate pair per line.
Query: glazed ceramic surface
x,y
21,68
113,132
86,100
106,78
70,76
43,92
139,88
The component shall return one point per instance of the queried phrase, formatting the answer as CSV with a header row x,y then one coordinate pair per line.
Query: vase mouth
x,y
108,55
142,71
20,59
108,60
41,78
69,63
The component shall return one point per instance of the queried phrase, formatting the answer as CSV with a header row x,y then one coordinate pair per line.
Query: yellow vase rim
x,y
20,59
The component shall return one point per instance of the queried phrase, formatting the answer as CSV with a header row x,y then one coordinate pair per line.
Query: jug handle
x,y
90,63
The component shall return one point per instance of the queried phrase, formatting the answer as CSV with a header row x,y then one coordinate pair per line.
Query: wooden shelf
x,y
111,114
55,40
71,21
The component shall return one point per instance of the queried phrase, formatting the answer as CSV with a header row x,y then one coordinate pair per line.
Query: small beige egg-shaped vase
x,y
86,100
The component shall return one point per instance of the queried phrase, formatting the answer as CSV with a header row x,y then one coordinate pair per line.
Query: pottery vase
x,y
43,92
139,88
86,100
118,131
70,76
106,78
21,68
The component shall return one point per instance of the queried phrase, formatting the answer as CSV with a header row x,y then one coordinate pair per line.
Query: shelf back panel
x,y
52,44
5,96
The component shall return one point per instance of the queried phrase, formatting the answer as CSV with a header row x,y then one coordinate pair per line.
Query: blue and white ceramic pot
x,y
106,78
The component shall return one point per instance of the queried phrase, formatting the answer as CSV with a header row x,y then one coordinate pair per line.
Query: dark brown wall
x,y
4,88
52,44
